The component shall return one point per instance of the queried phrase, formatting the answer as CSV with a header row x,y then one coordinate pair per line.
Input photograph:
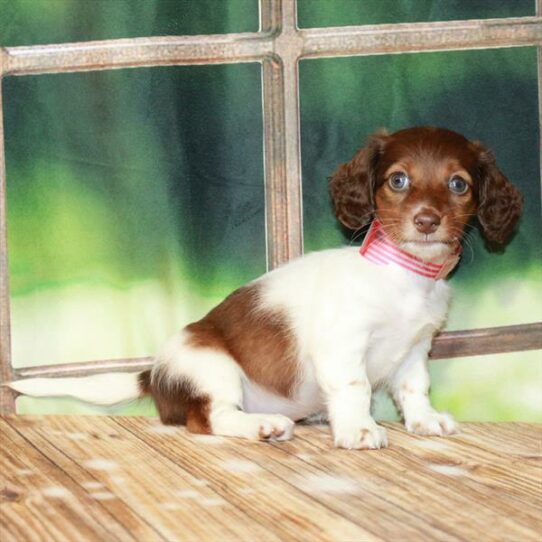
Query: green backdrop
x,y
136,201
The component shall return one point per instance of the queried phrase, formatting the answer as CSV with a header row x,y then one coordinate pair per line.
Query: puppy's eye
x,y
457,185
399,181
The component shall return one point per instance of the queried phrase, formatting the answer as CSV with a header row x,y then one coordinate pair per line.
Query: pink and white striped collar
x,y
378,248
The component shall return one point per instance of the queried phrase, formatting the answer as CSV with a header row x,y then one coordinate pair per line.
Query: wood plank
x,y
259,493
485,442
99,478
341,492
484,341
7,397
452,485
522,440
133,476
516,479
39,501
407,505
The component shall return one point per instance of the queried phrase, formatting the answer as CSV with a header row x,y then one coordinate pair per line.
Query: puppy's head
x,y
424,184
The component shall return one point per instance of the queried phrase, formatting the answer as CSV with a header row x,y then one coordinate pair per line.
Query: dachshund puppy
x,y
323,331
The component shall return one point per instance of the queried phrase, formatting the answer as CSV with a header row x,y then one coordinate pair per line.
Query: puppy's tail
x,y
101,389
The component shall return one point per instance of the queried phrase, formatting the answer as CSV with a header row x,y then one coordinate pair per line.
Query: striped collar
x,y
378,249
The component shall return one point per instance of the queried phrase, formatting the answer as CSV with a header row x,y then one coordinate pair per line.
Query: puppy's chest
x,y
414,316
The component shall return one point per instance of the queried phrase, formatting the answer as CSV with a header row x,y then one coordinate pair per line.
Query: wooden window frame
x,y
278,46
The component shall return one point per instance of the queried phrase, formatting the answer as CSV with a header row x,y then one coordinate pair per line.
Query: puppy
x,y
322,332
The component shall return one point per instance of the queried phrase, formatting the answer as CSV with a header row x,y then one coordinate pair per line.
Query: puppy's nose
x,y
427,222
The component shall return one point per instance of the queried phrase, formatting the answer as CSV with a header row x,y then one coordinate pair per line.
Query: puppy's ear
x,y
352,185
500,203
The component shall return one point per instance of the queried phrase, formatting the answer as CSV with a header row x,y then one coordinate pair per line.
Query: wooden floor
x,y
127,478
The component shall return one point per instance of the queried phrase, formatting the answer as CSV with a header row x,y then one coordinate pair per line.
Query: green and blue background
x,y
136,196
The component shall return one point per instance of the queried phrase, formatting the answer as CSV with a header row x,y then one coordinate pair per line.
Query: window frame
x,y
278,46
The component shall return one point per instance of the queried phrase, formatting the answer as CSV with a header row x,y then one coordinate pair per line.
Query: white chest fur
x,y
346,310
418,312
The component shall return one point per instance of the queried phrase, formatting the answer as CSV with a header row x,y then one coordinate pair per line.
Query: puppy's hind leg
x,y
233,422
201,386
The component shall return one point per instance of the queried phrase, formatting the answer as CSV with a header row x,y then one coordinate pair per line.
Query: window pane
x,y
30,22
135,202
490,95
317,13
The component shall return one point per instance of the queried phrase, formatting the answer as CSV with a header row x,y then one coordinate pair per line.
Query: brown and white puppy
x,y
323,331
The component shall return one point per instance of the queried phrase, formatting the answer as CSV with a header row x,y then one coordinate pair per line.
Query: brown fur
x,y
500,203
258,339
178,402
352,185
429,156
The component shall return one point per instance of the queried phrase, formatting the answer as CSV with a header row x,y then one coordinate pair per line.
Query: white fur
x,y
307,400
101,389
357,326
360,326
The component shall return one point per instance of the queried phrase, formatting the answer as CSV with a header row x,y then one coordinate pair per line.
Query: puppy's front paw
x,y
432,423
368,436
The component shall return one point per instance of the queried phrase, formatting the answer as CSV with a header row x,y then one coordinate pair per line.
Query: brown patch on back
x,y
178,402
258,338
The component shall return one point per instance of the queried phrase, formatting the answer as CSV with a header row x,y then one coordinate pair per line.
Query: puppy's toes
x,y
235,423
366,437
275,427
433,423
